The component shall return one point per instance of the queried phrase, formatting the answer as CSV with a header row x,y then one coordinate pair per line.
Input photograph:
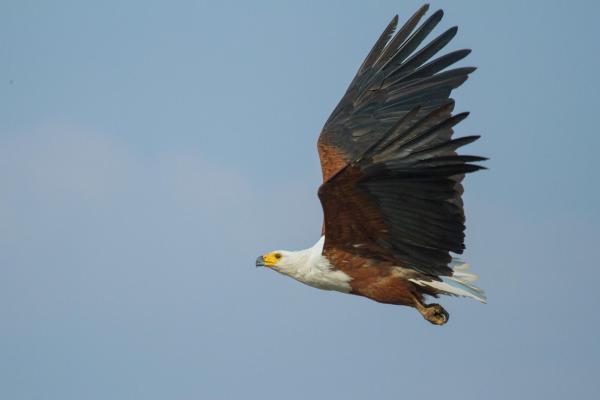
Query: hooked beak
x,y
260,262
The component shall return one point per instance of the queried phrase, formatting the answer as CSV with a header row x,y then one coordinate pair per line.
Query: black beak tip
x,y
260,261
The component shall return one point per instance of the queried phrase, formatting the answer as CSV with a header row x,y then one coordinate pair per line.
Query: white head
x,y
283,261
308,266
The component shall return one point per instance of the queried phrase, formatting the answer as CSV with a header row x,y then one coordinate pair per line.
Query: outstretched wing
x,y
392,177
392,80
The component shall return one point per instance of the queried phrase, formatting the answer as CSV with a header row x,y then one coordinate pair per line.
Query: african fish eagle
x,y
391,191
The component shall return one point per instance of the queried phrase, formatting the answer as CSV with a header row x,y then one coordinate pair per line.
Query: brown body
x,y
382,281
386,282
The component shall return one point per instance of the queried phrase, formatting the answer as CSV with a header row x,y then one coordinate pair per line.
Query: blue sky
x,y
149,151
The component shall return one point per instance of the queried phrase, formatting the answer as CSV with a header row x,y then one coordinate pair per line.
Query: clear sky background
x,y
149,151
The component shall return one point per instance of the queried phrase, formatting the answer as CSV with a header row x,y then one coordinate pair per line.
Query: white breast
x,y
312,268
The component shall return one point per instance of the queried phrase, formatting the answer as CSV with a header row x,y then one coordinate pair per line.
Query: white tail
x,y
459,284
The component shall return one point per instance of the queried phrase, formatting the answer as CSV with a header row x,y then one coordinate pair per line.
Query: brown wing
x,y
392,176
392,80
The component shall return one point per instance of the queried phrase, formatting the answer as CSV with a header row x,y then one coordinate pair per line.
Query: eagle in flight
x,y
391,191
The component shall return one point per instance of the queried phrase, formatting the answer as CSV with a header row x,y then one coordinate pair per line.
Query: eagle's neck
x,y
309,266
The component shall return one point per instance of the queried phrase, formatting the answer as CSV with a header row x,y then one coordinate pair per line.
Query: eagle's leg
x,y
433,313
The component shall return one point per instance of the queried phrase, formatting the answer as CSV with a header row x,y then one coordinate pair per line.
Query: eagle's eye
x,y
278,255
